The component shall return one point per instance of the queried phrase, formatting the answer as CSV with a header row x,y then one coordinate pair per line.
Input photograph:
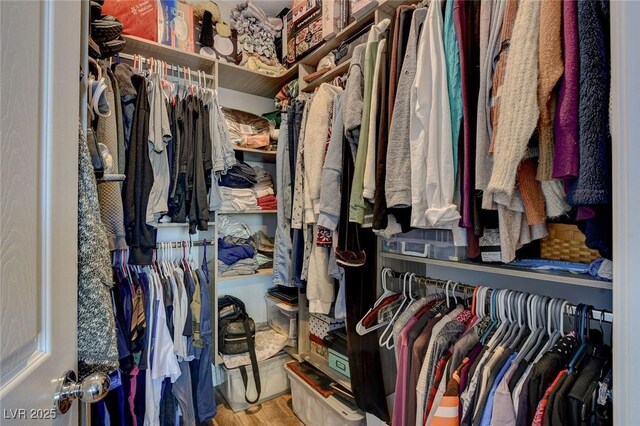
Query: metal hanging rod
x,y
596,315
170,66
182,244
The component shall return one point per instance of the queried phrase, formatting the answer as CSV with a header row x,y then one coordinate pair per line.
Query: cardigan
x,y
398,183
97,346
519,113
550,68
565,147
593,185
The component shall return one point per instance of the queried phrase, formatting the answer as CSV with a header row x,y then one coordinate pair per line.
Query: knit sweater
x,y
519,113
315,146
398,184
353,99
594,177
97,348
565,148
550,67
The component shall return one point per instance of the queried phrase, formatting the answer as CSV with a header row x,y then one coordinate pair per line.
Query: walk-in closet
x,y
320,213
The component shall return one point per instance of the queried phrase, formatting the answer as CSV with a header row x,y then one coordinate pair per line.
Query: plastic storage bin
x,y
273,379
431,243
339,362
283,319
315,410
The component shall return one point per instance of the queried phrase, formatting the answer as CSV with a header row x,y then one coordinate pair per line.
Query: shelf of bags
x,y
343,68
323,365
249,212
180,225
260,155
260,274
500,269
242,79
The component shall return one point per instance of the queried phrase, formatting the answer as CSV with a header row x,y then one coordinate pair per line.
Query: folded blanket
x,y
241,267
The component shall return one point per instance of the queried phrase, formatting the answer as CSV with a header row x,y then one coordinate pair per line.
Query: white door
x,y
39,92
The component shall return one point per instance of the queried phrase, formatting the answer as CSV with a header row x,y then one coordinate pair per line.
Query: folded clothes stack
x,y
238,199
236,256
263,190
241,175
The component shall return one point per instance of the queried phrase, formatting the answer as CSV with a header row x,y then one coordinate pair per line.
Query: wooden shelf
x,y
293,352
552,276
256,155
250,212
260,274
343,68
152,49
230,76
323,365
242,79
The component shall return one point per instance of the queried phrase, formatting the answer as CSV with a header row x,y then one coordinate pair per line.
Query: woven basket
x,y
566,242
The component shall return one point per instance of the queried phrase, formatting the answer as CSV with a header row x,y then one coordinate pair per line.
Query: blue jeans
x,y
282,248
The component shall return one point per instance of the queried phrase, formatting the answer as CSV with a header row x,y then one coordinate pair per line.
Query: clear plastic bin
x,y
273,379
283,319
315,410
431,243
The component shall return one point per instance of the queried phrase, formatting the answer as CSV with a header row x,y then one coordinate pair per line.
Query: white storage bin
x,y
315,410
273,380
283,318
432,243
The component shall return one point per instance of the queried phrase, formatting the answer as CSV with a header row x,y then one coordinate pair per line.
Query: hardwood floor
x,y
276,412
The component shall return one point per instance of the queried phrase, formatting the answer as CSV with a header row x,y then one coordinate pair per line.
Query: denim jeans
x,y
282,245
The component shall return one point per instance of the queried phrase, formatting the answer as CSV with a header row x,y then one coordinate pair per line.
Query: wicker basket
x,y
566,242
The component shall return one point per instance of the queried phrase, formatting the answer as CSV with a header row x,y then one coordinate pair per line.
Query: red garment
x,y
436,382
268,202
372,316
538,419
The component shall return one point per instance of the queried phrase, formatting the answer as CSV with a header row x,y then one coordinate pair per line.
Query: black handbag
x,y
236,335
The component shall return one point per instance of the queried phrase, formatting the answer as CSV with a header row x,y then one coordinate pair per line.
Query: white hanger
x,y
360,328
387,334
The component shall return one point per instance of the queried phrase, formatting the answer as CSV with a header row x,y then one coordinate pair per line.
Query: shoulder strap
x,y
254,365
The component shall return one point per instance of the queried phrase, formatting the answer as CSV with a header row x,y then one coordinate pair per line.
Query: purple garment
x,y
502,411
464,373
565,149
399,413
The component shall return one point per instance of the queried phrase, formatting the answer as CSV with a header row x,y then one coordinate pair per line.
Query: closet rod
x,y
182,244
596,315
172,67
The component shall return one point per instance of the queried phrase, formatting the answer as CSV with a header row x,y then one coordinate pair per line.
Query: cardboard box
x,y
175,25
330,18
308,34
303,8
138,17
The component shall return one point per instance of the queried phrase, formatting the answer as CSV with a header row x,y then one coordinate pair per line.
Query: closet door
x,y
39,92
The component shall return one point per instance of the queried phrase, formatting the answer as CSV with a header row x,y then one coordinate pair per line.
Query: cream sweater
x,y
519,110
316,138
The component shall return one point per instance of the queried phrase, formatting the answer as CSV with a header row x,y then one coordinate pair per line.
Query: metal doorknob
x,y
89,390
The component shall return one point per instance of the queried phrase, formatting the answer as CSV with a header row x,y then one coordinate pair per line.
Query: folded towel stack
x,y
263,190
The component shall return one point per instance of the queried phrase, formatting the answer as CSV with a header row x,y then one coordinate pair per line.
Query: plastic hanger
x,y
542,338
583,336
387,335
360,328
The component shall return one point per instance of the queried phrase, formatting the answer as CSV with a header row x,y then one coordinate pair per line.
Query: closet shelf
x,y
343,68
259,155
151,49
323,365
242,79
260,274
293,352
180,225
553,276
230,76
249,212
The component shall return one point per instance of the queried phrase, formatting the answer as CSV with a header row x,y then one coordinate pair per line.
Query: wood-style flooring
x,y
276,412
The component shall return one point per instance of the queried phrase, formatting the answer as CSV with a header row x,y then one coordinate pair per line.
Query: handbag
x,y
236,335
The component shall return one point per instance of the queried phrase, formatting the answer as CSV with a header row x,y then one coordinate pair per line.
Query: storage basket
x,y
566,242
